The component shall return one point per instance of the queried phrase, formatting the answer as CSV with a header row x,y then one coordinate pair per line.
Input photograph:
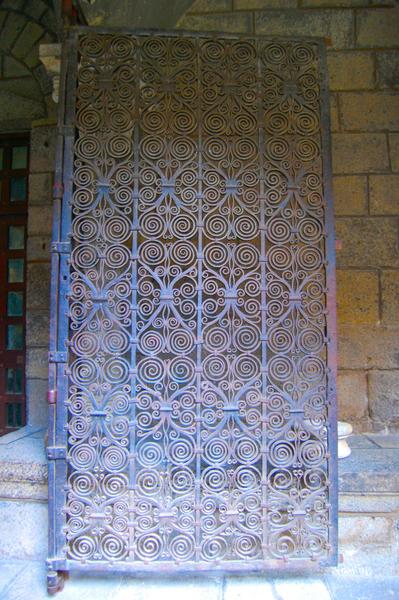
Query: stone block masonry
x,y
363,64
38,271
363,68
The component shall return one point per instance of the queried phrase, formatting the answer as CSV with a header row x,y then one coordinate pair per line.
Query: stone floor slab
x,y
360,441
184,588
23,530
8,571
361,588
26,580
300,588
31,585
248,588
384,441
370,470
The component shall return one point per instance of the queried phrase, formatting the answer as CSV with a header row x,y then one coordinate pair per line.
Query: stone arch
x,y
24,81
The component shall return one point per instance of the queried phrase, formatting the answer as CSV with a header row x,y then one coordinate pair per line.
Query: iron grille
x,y
198,386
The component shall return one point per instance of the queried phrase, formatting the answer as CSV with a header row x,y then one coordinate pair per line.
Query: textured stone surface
x,y
352,396
37,363
230,22
29,541
36,392
39,220
351,70
336,25
201,6
31,33
12,28
105,586
40,188
296,587
359,153
384,194
239,588
161,14
367,242
350,195
25,86
42,151
378,28
366,574
372,111
38,248
370,470
259,4
357,296
9,571
367,502
394,150
338,3
384,440
38,294
35,8
334,115
367,347
15,107
390,296
13,68
384,396
360,584
37,328
360,441
388,69
355,530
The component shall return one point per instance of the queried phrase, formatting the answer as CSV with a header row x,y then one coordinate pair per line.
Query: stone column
x,y
42,151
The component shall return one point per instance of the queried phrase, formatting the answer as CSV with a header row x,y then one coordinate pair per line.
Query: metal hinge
x,y
56,452
52,396
61,247
57,356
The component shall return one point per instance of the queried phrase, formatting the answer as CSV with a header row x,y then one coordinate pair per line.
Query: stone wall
x,y
26,105
363,64
38,270
24,85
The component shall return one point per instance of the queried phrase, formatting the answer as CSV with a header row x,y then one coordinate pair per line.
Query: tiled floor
x,y
23,580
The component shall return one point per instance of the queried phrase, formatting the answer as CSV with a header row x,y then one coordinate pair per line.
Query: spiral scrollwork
x,y
197,350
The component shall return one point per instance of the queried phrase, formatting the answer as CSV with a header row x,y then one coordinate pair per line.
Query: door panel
x,y
193,249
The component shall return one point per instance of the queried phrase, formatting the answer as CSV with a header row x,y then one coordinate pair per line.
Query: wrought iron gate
x,y
192,359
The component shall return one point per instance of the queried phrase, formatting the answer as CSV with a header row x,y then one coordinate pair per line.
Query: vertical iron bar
x,y
60,437
331,304
135,217
263,266
199,317
54,291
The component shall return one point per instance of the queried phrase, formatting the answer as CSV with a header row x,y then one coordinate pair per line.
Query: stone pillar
x,y
42,152
40,213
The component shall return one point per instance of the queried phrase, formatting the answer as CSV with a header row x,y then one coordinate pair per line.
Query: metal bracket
x,y
56,452
57,356
61,247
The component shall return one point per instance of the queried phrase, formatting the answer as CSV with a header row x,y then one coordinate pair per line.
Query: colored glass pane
x,y
15,270
16,237
17,189
19,157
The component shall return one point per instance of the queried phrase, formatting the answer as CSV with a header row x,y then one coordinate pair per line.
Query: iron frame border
x,y
57,566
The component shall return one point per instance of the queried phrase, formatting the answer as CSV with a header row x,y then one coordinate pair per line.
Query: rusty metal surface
x,y
199,385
